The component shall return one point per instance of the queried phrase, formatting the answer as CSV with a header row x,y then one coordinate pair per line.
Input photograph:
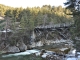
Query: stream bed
x,y
34,55
27,55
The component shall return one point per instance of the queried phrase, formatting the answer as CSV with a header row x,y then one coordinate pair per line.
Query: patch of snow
x,y
78,58
44,55
78,53
38,53
8,30
47,53
63,49
71,58
74,51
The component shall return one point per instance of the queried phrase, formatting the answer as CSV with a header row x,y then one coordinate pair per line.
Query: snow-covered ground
x,y
62,49
71,58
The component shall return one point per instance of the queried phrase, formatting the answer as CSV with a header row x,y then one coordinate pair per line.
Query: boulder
x,y
13,49
22,47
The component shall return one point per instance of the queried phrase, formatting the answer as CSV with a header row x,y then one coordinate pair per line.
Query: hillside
x,y
22,23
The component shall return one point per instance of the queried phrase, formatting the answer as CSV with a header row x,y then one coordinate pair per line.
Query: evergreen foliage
x,y
73,5
24,20
35,16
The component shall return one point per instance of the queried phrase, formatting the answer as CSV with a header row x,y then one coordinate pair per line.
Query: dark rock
x,y
13,49
22,46
42,51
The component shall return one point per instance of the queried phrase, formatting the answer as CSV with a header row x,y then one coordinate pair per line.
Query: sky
x,y
32,3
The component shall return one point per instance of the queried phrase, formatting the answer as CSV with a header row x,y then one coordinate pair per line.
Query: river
x,y
29,55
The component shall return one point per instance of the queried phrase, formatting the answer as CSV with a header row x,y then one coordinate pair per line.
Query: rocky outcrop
x,y
13,49
50,55
53,57
22,46
38,38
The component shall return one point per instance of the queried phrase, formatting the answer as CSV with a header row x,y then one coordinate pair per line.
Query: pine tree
x,y
74,6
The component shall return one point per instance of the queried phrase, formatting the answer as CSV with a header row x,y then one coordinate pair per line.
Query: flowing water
x,y
23,57
27,55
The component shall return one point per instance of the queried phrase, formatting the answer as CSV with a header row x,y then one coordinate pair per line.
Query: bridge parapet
x,y
55,25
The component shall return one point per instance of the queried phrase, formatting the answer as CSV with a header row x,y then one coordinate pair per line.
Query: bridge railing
x,y
55,25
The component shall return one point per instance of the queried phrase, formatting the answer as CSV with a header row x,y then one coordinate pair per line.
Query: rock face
x,y
49,55
13,49
35,44
52,57
22,46
38,38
